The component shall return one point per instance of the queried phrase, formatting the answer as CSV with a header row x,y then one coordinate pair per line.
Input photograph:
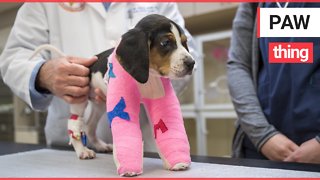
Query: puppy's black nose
x,y
189,64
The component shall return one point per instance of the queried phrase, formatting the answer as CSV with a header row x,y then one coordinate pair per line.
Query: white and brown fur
x,y
156,46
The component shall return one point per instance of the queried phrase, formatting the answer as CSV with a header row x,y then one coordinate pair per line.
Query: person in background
x,y
277,104
80,30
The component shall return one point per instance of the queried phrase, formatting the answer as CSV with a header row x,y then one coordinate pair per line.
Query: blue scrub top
x,y
290,93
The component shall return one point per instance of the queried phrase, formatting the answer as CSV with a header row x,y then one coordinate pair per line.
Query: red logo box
x,y
298,52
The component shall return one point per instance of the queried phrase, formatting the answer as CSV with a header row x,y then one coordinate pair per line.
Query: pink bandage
x,y
171,139
123,108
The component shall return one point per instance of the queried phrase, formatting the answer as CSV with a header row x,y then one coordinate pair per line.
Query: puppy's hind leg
x,y
97,110
77,133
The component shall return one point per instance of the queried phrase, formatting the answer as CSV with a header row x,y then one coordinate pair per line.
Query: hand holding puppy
x,y
66,77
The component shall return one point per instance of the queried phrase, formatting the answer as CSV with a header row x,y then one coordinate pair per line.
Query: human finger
x,y
99,93
74,100
76,91
82,61
78,81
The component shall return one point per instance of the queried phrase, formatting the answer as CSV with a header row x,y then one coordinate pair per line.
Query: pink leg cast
x,y
171,138
123,113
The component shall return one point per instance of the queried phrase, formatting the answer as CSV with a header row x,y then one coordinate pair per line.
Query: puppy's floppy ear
x,y
133,51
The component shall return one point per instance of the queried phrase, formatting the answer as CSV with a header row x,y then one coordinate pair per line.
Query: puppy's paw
x,y
101,146
180,167
86,154
129,174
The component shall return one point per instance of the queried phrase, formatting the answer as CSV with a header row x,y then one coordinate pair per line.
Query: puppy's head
x,y
158,43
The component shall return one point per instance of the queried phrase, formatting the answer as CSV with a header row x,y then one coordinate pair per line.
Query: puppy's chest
x,y
152,89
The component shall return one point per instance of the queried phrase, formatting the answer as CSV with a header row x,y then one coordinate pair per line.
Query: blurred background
x,y
207,109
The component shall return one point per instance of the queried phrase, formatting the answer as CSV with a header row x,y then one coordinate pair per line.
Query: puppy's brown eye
x,y
164,43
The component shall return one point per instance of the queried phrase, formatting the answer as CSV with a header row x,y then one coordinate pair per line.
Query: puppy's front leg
x,y
77,132
123,106
127,137
170,135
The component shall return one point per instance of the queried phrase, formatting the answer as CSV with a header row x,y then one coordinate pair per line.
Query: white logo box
x,y
264,20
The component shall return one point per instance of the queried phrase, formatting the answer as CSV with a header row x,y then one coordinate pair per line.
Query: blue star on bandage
x,y
111,73
118,111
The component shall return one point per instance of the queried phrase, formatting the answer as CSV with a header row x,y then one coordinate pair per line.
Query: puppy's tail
x,y
47,47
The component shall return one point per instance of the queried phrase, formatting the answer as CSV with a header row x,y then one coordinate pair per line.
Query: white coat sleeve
x,y
29,31
171,11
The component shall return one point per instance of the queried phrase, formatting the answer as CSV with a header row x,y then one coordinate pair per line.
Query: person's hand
x,y
66,77
100,97
278,148
308,152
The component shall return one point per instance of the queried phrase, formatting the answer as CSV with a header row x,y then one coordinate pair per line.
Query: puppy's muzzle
x,y
189,64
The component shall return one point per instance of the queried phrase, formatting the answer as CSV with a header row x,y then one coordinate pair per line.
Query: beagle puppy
x,y
138,71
